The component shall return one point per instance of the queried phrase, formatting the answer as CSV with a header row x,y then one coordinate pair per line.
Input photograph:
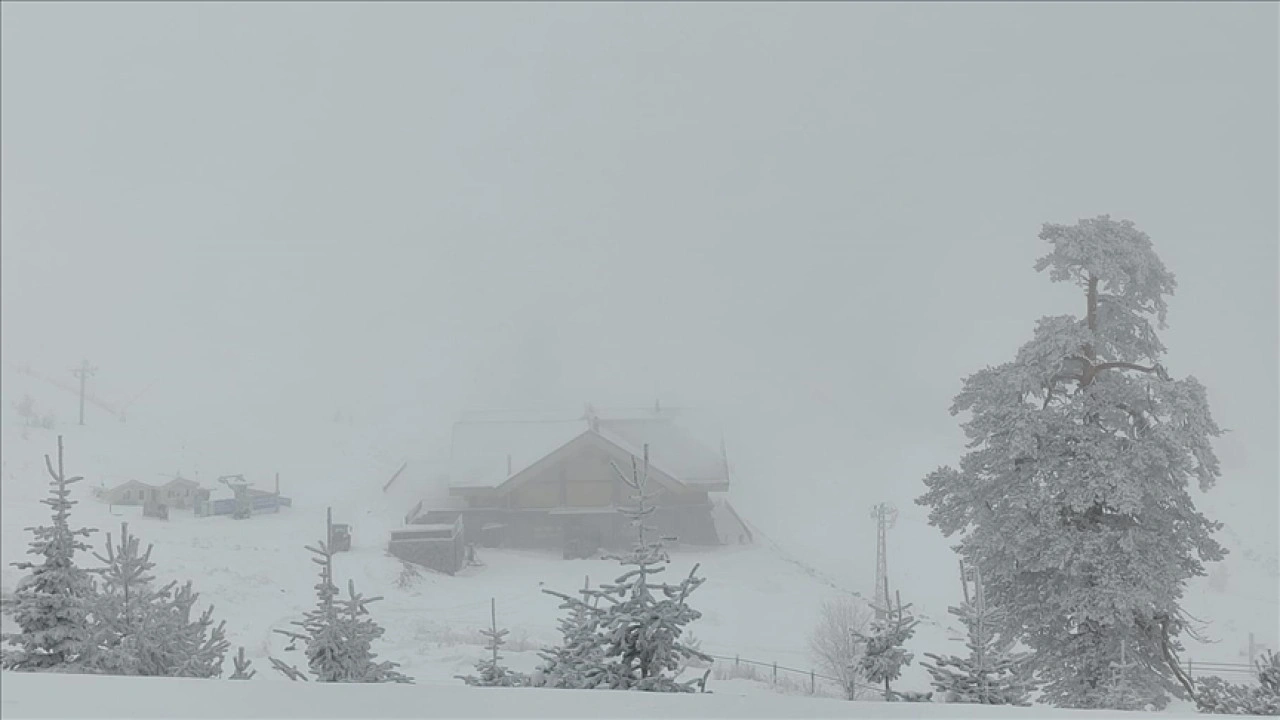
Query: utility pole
x,y
885,516
83,372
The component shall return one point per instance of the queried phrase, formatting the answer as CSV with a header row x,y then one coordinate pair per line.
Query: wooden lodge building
x,y
530,481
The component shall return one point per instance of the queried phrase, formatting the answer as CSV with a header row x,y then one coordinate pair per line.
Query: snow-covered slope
x,y
759,602
755,604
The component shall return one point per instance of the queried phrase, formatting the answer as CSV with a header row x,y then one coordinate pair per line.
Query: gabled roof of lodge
x,y
490,449
131,483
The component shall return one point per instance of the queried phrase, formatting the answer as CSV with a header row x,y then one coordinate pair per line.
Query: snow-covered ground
x,y
48,696
759,602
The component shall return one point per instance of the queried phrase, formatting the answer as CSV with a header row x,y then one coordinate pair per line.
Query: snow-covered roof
x,y
132,483
486,452
490,448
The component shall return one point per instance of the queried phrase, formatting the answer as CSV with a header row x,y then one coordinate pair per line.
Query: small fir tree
x,y
492,672
992,674
578,662
338,635
149,631
242,665
884,657
52,605
639,623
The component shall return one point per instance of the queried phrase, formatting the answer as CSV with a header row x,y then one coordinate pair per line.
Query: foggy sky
x,y
815,219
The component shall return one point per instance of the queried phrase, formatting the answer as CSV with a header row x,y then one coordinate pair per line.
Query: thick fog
x,y
813,220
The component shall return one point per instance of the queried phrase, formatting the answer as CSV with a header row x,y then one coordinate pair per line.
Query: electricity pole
x,y
885,516
83,372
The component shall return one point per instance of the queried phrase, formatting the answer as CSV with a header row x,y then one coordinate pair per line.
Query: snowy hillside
x,y
759,603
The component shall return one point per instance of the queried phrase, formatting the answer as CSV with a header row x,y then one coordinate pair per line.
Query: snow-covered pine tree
x,y
361,630
640,622
199,645
1073,499
242,665
884,657
492,672
52,604
992,674
578,662
338,635
142,630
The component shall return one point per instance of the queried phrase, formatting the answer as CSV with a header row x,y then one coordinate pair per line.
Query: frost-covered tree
x,y
338,634
883,655
578,661
992,674
834,643
492,672
141,629
639,622
52,605
1217,696
1073,498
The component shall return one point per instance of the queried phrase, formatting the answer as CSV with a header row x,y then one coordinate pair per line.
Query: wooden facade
x,y
568,496
132,492
179,492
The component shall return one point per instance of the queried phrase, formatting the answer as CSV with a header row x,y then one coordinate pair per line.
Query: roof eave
x,y
467,490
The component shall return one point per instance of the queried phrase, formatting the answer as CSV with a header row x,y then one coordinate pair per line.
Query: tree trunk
x,y
1091,315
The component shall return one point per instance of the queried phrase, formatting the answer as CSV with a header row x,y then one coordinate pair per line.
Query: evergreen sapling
x,y
492,672
884,657
142,630
242,665
338,635
52,605
578,662
638,623
992,674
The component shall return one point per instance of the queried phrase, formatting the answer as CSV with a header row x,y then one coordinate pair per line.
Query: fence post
x,y
736,661
1189,676
813,687
775,672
